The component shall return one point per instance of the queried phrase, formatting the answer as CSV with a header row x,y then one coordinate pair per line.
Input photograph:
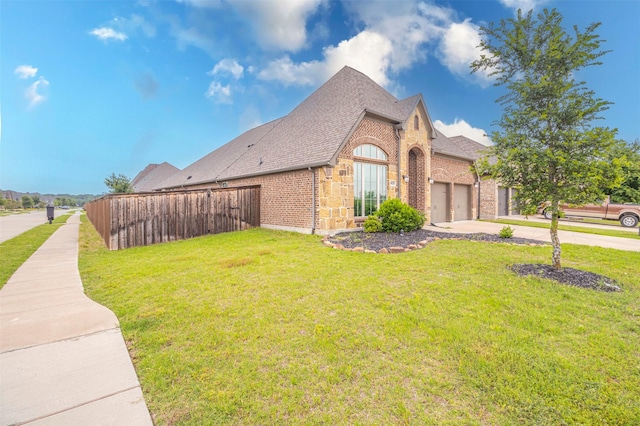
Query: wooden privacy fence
x,y
131,220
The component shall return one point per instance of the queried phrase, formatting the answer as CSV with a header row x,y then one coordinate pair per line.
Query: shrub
x,y
372,224
396,215
506,232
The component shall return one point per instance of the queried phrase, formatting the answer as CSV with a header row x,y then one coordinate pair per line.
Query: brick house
x,y
338,155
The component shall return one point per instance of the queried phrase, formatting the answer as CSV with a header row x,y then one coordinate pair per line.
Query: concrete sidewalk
x,y
541,234
62,357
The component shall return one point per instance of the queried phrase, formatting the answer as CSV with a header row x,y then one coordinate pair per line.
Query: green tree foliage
x,y
629,190
27,202
119,184
546,147
64,201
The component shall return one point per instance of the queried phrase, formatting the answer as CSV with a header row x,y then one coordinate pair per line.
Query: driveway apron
x,y
62,356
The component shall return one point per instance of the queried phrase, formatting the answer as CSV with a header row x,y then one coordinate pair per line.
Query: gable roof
x,y
474,149
311,135
446,146
152,175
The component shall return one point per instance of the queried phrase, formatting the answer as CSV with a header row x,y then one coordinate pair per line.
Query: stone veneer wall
x,y
418,140
488,199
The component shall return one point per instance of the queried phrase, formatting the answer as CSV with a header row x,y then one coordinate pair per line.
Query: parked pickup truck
x,y
627,214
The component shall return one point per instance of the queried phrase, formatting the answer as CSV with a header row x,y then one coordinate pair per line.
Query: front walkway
x,y
62,357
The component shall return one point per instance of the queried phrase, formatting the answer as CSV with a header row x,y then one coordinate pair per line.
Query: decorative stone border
x,y
383,250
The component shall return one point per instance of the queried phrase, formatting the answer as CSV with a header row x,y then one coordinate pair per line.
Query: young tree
x,y
629,189
546,147
119,184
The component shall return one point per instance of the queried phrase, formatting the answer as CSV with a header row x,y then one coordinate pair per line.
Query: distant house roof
x,y
474,149
311,135
446,146
152,175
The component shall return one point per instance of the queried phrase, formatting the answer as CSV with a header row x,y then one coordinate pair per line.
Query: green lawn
x,y
585,230
266,327
17,250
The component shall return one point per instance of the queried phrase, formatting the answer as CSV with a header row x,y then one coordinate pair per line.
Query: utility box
x,y
50,214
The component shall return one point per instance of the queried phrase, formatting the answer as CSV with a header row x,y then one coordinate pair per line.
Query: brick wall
x,y
285,198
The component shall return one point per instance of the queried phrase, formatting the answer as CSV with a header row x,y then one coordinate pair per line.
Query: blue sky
x,y
95,87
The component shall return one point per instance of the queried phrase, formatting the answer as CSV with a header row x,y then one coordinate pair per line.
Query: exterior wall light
x,y
431,180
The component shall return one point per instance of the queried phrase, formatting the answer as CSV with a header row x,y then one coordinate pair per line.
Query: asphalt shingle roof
x,y
152,175
474,149
311,135
444,145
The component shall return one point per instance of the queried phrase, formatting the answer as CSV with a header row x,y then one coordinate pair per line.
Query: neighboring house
x,y
152,175
337,156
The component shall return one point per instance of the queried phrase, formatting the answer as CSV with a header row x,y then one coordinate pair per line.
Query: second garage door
x,y
462,202
439,202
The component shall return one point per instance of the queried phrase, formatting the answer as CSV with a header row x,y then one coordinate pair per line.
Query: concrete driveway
x,y
15,224
469,226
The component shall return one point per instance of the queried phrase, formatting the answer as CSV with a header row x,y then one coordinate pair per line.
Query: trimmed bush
x,y
506,232
396,215
372,224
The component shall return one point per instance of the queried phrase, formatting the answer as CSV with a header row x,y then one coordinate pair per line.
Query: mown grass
x,y
266,327
581,229
17,250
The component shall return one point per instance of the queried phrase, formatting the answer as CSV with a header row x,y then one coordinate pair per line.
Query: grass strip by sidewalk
x,y
561,227
17,250
267,327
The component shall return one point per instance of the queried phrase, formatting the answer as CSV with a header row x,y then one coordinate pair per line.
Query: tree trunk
x,y
555,241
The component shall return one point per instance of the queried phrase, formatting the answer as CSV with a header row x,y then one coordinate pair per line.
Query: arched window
x,y
416,123
369,179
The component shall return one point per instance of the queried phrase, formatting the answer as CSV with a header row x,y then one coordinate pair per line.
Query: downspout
x,y
313,200
397,128
479,183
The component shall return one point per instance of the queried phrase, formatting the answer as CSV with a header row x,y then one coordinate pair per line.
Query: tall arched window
x,y
416,122
369,179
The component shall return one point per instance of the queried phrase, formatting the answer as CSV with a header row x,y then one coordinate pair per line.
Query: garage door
x,y
503,201
439,197
462,202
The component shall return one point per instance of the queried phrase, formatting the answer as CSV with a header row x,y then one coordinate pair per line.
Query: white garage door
x,y
439,202
462,202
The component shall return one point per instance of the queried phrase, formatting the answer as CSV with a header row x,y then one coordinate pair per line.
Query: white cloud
x,y
32,94
368,52
105,33
525,5
461,127
228,66
279,24
393,39
219,93
26,71
409,26
459,47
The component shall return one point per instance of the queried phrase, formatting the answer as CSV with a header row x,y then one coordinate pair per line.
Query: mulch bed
x,y
381,242
568,276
